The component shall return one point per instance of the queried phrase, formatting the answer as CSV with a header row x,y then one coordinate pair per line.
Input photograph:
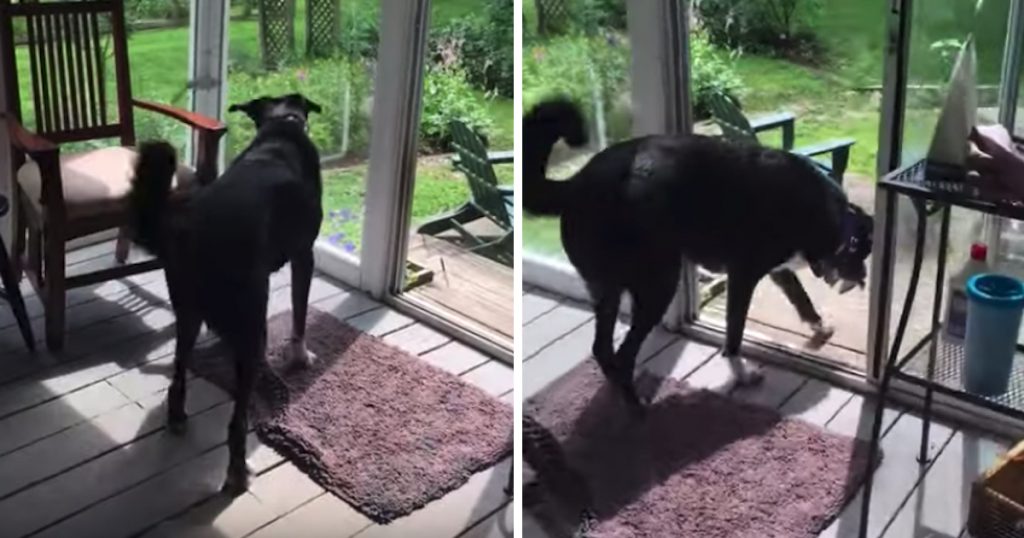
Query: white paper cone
x,y
949,143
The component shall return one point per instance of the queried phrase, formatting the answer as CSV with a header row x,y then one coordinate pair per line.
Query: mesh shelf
x,y
949,362
949,185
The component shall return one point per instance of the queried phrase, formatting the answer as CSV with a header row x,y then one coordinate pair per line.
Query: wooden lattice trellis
x,y
277,31
552,16
321,27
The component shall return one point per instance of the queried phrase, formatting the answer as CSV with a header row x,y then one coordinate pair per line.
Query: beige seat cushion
x,y
96,182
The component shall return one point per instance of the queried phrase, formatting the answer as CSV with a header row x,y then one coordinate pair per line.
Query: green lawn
x,y
438,189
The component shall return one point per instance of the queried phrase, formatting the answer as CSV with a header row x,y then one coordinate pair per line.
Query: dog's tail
x,y
151,190
543,126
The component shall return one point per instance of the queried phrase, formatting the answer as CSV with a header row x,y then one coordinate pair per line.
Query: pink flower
x,y
301,75
538,54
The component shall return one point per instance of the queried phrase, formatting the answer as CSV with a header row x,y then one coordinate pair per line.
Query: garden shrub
x,y
447,96
562,64
359,33
323,82
609,14
779,27
481,46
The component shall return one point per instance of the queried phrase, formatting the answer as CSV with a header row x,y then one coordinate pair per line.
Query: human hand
x,y
996,158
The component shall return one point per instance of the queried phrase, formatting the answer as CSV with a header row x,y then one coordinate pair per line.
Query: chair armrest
x,y
192,119
209,130
825,147
784,120
46,154
25,140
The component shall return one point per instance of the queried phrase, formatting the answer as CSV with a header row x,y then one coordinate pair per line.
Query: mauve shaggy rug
x,y
698,465
378,427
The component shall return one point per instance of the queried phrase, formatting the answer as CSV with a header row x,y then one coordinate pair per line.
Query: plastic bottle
x,y
955,324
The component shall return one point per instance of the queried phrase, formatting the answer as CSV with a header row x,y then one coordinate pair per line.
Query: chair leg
x,y
11,282
20,236
123,247
54,291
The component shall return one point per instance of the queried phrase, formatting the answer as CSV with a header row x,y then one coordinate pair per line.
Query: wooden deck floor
x,y
465,284
908,501
83,450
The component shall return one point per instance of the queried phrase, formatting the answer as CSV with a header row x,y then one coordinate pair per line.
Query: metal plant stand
x,y
933,364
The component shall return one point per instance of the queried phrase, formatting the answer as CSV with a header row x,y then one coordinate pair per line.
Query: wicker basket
x,y
997,499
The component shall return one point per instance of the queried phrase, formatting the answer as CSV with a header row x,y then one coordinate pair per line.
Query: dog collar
x,y
847,227
295,118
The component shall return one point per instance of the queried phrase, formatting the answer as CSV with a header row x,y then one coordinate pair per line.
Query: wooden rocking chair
x,y
63,196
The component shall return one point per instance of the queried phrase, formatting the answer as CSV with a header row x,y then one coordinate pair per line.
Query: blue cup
x,y
994,307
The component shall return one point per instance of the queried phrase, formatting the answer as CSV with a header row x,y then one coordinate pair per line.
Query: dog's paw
x,y
237,482
177,427
745,373
297,353
822,333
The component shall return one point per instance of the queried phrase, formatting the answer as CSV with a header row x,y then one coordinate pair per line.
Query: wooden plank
x,y
88,440
536,304
453,513
455,357
938,506
894,480
498,525
417,338
44,420
816,402
272,494
778,386
554,325
44,504
494,377
380,321
678,360
325,515
123,356
465,284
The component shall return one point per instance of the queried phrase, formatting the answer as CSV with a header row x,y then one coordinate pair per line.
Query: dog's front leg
x,y
790,285
302,277
740,291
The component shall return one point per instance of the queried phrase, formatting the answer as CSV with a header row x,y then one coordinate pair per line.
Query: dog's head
x,y
294,107
848,264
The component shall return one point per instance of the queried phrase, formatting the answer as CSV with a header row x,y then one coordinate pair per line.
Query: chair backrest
x,y
64,54
730,118
480,173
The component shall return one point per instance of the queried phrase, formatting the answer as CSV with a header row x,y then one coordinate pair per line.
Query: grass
x,y
438,189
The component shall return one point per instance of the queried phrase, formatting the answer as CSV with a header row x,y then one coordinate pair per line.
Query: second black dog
x,y
221,246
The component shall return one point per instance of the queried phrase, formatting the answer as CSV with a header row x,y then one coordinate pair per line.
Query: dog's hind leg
x,y
187,329
651,300
790,284
302,278
740,292
247,364
606,310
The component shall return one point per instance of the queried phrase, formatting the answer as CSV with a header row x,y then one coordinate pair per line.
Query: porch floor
x,y
465,284
907,500
83,451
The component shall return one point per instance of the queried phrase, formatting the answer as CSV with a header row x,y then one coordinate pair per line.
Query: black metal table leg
x,y
940,280
891,362
13,295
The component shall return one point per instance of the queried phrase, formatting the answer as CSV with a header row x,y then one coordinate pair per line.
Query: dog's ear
x,y
251,108
312,107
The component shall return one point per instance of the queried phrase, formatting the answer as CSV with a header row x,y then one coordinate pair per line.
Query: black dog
x,y
221,246
637,208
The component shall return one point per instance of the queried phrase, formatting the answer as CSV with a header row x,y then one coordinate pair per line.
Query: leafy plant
x,y
447,96
779,27
481,46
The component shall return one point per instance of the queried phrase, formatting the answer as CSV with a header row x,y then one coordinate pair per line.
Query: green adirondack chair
x,y
736,126
488,200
